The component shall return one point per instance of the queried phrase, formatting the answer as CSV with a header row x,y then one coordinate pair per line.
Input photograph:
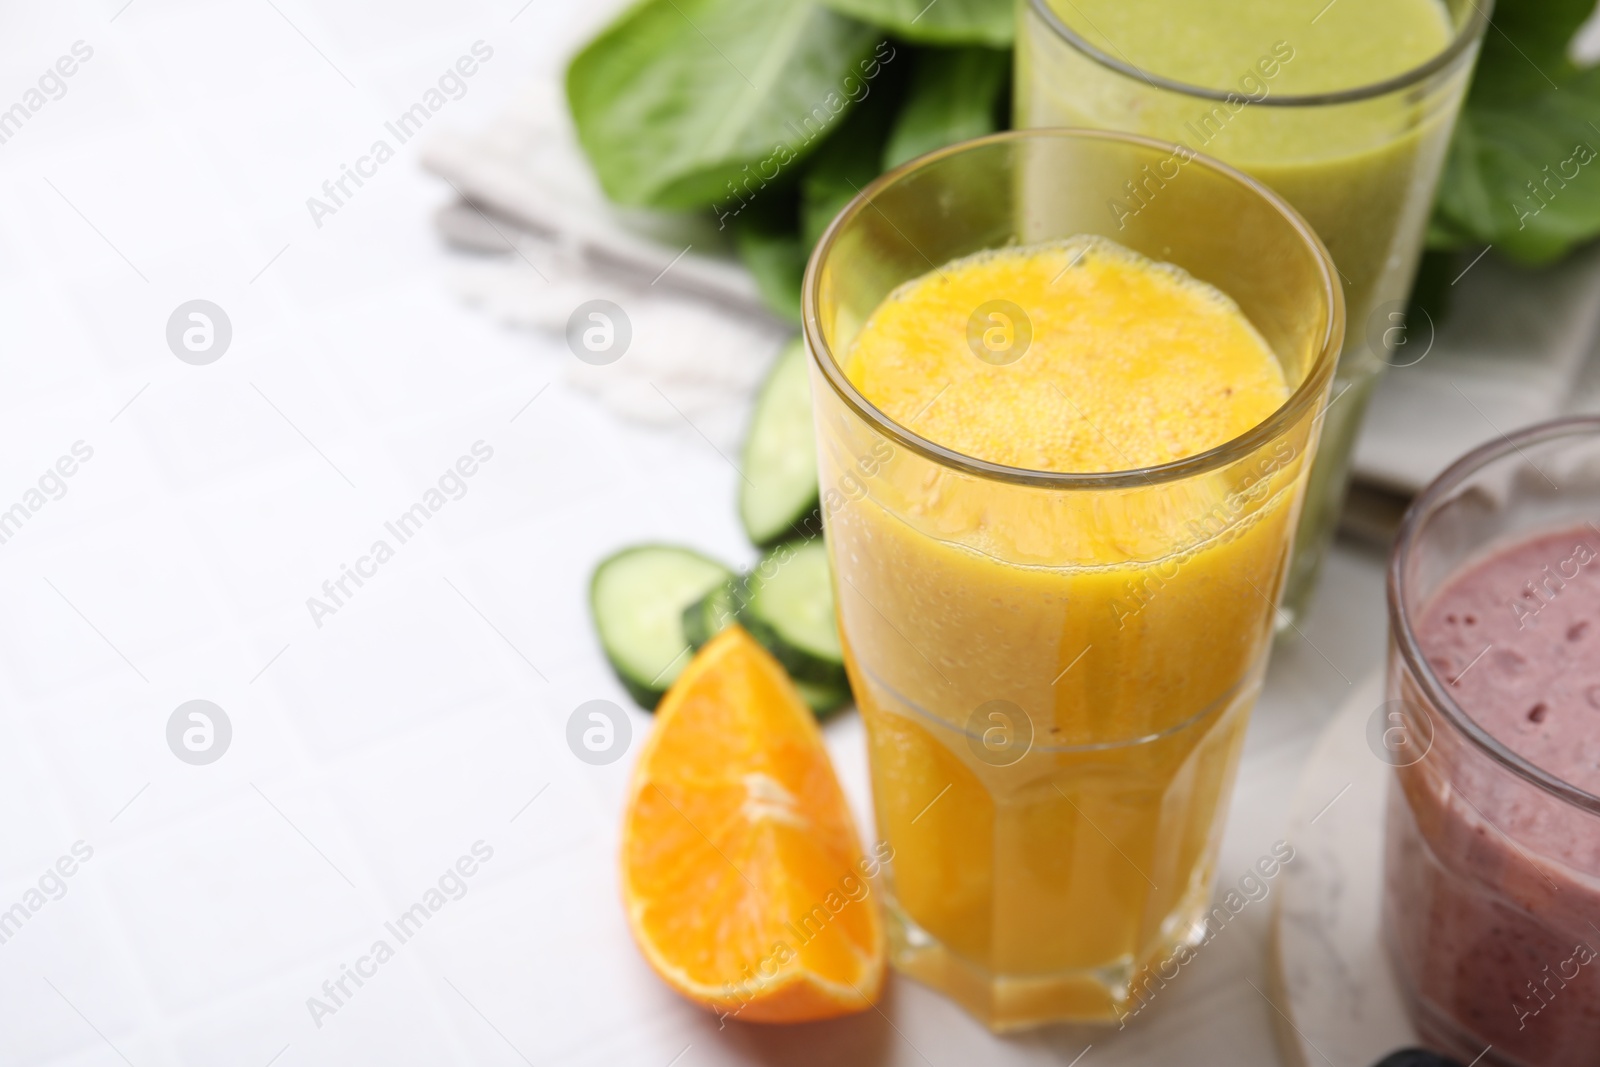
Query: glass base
x,y
1009,1002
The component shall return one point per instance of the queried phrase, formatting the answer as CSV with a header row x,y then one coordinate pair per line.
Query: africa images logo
x,y
451,85
51,885
337,592
451,885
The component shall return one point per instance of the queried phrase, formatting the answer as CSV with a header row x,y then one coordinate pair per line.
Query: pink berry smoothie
x,y
1494,885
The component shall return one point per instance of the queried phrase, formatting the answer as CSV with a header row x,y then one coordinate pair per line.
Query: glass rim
x,y
1470,31
1256,437
1400,612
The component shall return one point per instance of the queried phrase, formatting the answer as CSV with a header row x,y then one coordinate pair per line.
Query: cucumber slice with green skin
x,y
711,614
638,596
779,491
823,700
788,607
715,611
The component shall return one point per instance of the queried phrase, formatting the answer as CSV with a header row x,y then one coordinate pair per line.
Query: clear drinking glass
x,y
1492,865
1361,164
1055,670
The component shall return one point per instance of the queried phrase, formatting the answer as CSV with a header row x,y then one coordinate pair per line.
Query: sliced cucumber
x,y
788,606
779,491
823,700
710,615
638,596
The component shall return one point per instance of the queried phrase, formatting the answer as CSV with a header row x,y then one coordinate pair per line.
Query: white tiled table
x,y
425,714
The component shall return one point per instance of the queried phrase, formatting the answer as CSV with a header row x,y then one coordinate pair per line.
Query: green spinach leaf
x,y
955,95
990,22
767,235
850,159
1525,50
1523,173
681,102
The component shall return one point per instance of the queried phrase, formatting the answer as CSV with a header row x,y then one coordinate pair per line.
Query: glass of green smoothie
x,y
1345,108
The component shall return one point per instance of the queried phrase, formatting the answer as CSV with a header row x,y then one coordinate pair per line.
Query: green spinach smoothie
x,y
1344,108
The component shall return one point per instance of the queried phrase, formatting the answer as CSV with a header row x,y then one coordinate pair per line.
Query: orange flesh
x,y
744,880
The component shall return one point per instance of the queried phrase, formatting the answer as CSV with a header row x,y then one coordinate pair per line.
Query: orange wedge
x,y
744,881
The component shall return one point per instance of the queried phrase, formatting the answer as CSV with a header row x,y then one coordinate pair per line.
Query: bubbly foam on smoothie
x,y
1131,363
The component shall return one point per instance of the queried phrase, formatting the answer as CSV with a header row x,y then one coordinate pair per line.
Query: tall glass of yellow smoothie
x,y
1062,462
1344,108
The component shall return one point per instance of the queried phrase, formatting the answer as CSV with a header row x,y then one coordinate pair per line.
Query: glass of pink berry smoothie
x,y
1492,860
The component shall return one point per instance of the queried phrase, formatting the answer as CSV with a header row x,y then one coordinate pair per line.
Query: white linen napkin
x,y
1518,346
544,240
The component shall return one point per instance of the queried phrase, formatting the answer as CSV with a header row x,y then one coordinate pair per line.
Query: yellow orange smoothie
x,y
1130,364
1056,711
